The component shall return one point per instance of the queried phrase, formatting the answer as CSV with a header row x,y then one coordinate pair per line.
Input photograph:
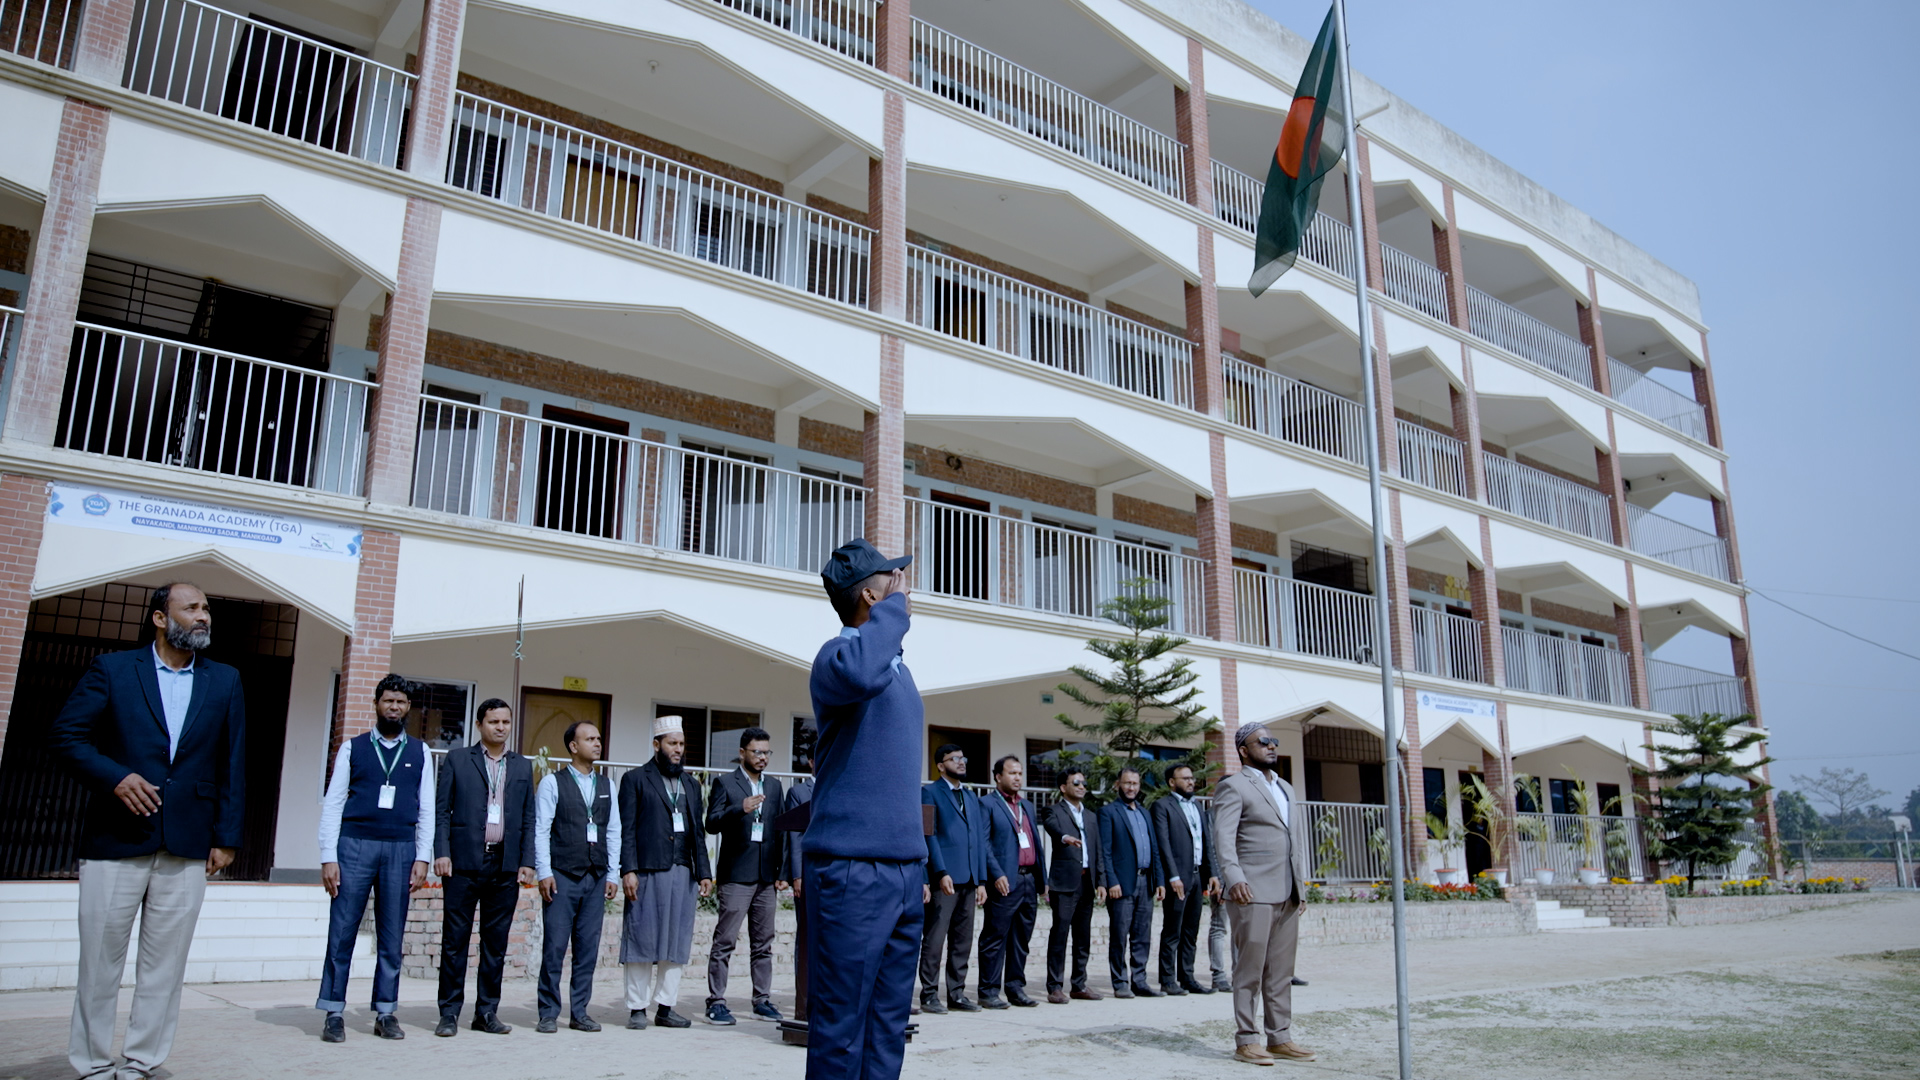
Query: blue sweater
x,y
866,797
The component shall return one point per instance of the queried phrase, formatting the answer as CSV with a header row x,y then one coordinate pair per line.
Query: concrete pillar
x,y
1626,624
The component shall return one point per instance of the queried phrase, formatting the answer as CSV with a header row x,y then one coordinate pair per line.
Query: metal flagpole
x,y
519,638
1383,619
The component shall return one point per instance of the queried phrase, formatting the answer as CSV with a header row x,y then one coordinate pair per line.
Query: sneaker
x,y
387,1027
335,1028
719,1016
764,1010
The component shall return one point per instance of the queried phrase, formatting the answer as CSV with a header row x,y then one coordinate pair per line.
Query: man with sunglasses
x,y
1073,870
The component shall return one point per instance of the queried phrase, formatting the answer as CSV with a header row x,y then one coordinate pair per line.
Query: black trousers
x,y
496,891
1180,932
1072,917
948,929
1007,935
1131,934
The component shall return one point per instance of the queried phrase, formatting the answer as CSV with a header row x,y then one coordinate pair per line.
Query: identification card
x,y
679,822
1024,842
759,832
387,794
493,813
593,832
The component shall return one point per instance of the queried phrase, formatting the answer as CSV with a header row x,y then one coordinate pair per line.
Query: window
x,y
1334,569
441,712
805,737
583,473
1043,760
1065,568
1434,782
959,531
1563,797
713,735
721,498
1608,796
1523,800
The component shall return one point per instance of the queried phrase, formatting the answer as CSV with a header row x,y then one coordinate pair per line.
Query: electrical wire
x,y
1830,626
1844,596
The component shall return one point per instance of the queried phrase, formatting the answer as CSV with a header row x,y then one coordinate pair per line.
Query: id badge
x,y
387,794
1024,842
593,832
493,813
759,832
679,822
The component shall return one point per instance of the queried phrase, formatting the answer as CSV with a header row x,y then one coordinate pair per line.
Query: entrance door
x,y
1479,849
545,714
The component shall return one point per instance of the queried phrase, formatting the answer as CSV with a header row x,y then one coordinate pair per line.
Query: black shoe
x,y
583,1023
959,1003
667,1018
1123,992
547,1025
1174,991
490,1024
930,1003
335,1029
765,1010
1147,991
387,1027
719,1015
1196,988
1298,981
448,1027
1019,1000
992,1001
1222,986
636,1019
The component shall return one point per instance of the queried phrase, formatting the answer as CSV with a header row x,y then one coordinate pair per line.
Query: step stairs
x,y
1551,916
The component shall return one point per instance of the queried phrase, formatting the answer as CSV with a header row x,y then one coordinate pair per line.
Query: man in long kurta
x,y
663,864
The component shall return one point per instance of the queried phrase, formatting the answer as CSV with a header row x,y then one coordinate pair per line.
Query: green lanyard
x,y
385,765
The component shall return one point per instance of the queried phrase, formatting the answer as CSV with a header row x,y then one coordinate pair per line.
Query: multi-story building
x,y
413,330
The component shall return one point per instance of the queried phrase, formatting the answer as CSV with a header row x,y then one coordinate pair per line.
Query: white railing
x,y
1346,841
1682,545
9,320
1413,283
1564,843
502,466
1431,459
1446,645
217,62
1288,409
1236,201
1011,316
1527,337
1297,616
1013,563
43,30
564,172
972,77
1681,690
845,26
1564,667
1657,401
149,399
1548,499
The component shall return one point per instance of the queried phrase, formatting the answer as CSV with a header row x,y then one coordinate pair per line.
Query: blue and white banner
x,y
1437,708
179,519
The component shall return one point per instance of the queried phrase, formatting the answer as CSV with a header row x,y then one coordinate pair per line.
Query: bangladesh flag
x,y
1311,143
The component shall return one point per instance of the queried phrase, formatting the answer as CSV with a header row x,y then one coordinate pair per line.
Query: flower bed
x,y
1483,888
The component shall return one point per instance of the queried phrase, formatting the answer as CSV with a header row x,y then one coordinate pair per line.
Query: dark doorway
x,y
1479,848
972,743
961,545
583,475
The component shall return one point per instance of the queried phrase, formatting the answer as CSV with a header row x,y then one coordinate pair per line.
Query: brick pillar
x,y
1626,623
1190,127
441,25
883,455
403,359
1614,486
1743,666
1214,528
1704,393
23,515
59,263
1399,602
1414,762
368,655
1497,771
1465,403
1369,216
893,38
883,442
1383,393
1446,253
1484,584
1594,337
100,51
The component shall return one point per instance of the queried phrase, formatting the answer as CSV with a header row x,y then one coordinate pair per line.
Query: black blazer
x,y
1118,862
734,826
460,811
113,725
1064,870
799,794
1176,844
646,823
1003,843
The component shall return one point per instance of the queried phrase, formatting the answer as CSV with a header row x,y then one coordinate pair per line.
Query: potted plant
x,y
1591,833
1451,836
1500,825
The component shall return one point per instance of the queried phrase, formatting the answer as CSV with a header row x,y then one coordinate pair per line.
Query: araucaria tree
x,y
1146,699
1707,795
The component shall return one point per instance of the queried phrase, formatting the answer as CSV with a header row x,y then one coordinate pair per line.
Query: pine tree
x,y
1136,704
1707,797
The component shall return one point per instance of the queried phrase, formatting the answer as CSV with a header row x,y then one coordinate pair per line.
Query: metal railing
x,y
1348,841
1290,410
1682,690
972,77
1527,337
1565,667
503,466
1657,401
1548,499
145,398
217,62
1011,316
1565,843
560,171
43,30
973,555
10,321
1236,201
1413,283
1673,542
1300,617
1431,459
845,26
1446,645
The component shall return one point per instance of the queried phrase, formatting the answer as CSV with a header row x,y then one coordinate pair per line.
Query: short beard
x,y
668,767
189,639
390,728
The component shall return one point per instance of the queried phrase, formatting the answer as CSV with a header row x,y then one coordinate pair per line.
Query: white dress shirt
x,y
1279,797
335,803
176,694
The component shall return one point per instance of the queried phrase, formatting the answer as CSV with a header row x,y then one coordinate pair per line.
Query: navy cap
x,y
854,562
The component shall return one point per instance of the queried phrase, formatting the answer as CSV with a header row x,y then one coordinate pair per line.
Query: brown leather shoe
x,y
1057,997
1087,995
1290,1051
1252,1054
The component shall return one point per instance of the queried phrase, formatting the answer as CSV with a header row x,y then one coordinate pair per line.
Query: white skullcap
x,y
667,725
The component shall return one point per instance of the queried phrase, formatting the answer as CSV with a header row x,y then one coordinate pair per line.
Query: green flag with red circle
x,y
1311,143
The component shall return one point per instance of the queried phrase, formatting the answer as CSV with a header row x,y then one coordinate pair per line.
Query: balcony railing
x,y
1564,667
1431,459
845,26
1446,645
972,77
43,30
560,171
1657,401
1345,841
1301,617
502,466
1013,563
217,62
9,323
1290,410
1525,336
1011,316
1678,689
1236,201
1564,843
1548,499
1682,545
1413,283
149,399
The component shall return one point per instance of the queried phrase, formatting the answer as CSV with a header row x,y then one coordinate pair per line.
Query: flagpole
x,y
1383,616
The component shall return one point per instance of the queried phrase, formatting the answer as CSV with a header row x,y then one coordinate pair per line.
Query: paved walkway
x,y
270,1029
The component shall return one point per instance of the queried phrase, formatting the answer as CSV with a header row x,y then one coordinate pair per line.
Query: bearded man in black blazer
x,y
751,873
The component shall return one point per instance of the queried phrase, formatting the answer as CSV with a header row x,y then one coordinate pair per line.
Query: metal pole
x,y
1383,618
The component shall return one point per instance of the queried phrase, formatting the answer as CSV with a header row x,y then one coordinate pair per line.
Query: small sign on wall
x,y
575,683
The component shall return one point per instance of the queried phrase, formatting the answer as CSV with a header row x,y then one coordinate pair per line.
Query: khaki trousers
x,y
1265,939
165,891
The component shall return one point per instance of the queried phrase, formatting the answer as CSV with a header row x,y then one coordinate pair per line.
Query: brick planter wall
x,y
1625,905
1348,924
1882,873
1707,910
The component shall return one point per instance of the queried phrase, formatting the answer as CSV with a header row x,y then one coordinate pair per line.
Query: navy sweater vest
x,y
363,819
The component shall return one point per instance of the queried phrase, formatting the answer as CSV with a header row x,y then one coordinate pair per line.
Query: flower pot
x,y
1590,876
1499,875
1543,876
1451,876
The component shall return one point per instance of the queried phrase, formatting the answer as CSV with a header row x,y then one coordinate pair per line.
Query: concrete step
x,y
1552,916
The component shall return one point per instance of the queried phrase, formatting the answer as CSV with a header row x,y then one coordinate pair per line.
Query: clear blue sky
x,y
1764,150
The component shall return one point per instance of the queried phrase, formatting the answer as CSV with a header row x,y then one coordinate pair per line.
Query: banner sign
x,y
1437,708
179,519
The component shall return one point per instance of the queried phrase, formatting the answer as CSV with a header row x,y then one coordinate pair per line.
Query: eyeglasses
x,y
1268,742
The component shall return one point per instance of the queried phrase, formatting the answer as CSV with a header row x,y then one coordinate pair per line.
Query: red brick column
x,y
1466,427
1369,215
883,455
438,66
368,655
1446,252
1497,771
883,443
893,38
100,51
403,359
1593,334
1626,622
1413,761
1704,393
23,516
1190,127
1484,584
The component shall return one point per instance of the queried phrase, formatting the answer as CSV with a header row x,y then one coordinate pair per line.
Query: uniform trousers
x,y
386,868
1072,919
1008,934
573,917
165,892
863,925
949,929
1130,934
497,891
1266,938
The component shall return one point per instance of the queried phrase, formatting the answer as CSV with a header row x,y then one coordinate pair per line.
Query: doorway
x,y
545,715
975,744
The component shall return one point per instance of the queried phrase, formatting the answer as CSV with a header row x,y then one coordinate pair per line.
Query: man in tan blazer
x,y
1261,849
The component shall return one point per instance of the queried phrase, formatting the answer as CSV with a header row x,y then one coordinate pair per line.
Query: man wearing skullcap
x,y
664,872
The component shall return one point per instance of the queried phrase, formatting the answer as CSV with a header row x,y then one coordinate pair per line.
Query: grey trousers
x,y
948,929
1265,939
1219,956
165,891
755,903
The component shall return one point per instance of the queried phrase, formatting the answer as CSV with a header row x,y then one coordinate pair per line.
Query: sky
x,y
1761,149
